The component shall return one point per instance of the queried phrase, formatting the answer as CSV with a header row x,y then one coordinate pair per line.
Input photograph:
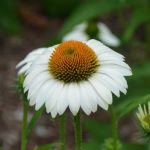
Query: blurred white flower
x,y
104,34
77,75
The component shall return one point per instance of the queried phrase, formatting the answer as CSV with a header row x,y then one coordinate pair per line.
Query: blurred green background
x,y
29,24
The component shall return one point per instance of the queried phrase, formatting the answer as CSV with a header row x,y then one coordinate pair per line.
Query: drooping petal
x,y
106,36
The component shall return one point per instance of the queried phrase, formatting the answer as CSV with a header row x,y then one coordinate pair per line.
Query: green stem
x,y
62,132
148,145
24,124
78,132
114,127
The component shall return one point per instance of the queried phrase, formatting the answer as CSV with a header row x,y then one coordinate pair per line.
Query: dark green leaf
x,y
32,123
8,16
58,8
91,145
134,147
139,16
96,131
51,146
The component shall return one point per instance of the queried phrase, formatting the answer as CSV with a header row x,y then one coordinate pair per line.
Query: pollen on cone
x,y
73,61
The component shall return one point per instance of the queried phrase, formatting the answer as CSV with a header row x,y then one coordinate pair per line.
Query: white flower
x,y
25,64
143,115
76,75
105,35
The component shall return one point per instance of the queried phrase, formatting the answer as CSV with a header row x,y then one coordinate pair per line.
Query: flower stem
x,y
114,122
148,145
78,132
62,132
24,123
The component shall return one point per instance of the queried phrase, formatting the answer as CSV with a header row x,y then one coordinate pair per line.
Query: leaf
x,y
86,11
141,71
8,16
58,8
139,16
129,105
91,145
34,119
96,131
50,146
134,147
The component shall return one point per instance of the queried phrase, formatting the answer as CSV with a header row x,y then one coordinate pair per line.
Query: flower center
x,y
73,61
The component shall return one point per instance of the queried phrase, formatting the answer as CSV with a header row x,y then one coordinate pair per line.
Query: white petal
x,y
54,112
42,77
53,96
85,104
100,48
101,90
41,95
117,78
24,68
119,63
92,97
76,35
73,98
110,56
118,68
62,102
81,27
97,46
34,70
31,56
43,59
106,36
109,83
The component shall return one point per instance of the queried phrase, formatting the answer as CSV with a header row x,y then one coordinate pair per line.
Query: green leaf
x,y
141,71
87,10
135,147
34,119
9,21
129,105
58,8
96,131
50,146
91,145
139,16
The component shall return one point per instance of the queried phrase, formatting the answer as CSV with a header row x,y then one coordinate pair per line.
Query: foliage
x,y
51,146
9,20
57,8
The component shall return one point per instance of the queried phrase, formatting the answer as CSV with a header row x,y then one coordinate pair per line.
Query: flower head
x,y
77,75
86,31
143,115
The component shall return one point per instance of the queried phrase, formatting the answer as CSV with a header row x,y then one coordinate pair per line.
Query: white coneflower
x,y
143,115
25,64
103,33
77,75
